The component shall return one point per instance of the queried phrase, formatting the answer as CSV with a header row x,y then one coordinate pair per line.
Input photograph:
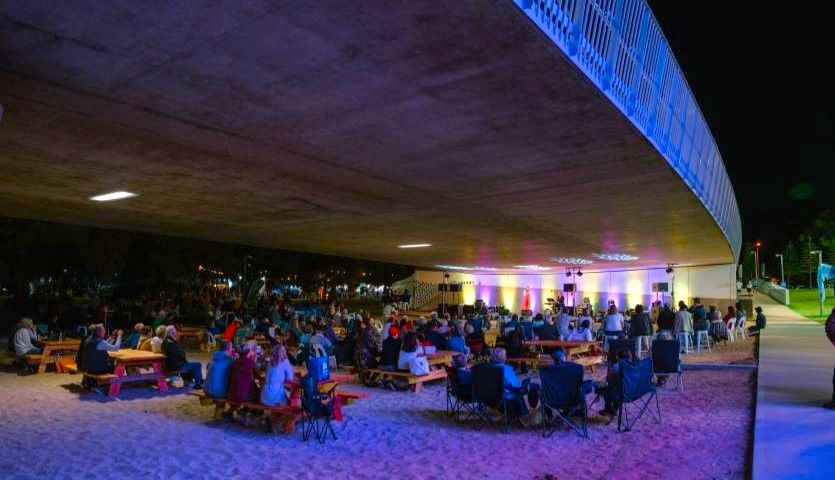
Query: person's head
x,y
639,308
278,355
499,355
559,355
171,332
469,329
585,325
697,301
146,331
161,331
712,308
459,361
138,327
738,306
682,305
227,347
394,331
27,322
454,331
613,309
410,342
98,331
759,309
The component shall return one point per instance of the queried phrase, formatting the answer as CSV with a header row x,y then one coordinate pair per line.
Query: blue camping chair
x,y
636,392
458,395
317,409
562,395
488,392
666,360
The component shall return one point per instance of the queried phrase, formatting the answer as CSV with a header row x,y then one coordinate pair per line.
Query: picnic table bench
x,y
52,351
127,364
415,380
588,361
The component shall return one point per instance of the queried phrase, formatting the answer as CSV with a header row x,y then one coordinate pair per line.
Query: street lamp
x,y
782,277
820,261
757,260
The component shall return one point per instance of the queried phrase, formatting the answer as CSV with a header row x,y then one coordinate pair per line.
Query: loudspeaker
x,y
664,287
451,308
454,287
443,287
568,287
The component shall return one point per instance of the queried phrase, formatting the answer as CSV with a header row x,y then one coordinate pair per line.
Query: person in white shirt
x,y
24,337
613,323
411,349
156,342
279,371
563,321
582,333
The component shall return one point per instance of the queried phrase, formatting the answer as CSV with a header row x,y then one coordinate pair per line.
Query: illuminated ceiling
x,y
342,128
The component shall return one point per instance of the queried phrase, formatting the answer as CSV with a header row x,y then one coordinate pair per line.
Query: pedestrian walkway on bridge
x,y
794,437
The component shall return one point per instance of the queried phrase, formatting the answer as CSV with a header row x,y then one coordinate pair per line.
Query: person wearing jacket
x,y
217,374
175,358
666,319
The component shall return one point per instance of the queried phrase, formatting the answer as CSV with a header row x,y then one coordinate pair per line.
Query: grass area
x,y
805,302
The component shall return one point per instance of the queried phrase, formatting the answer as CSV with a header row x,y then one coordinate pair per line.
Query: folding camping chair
x,y
561,394
488,392
317,409
458,396
636,389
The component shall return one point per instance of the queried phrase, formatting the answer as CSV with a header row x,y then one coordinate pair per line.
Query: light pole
x,y
820,261
782,277
757,260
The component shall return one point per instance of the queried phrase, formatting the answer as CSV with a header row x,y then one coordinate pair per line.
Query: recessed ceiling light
x,y
415,245
531,267
571,260
616,257
109,197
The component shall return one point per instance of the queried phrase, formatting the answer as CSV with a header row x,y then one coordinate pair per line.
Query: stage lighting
x,y
568,273
579,273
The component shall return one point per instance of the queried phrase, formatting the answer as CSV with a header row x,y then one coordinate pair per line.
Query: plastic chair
x,y
684,338
641,340
739,327
731,327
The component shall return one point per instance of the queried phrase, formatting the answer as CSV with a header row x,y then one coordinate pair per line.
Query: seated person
x,y
231,328
411,349
25,338
319,338
581,334
472,334
548,331
133,339
760,318
156,342
611,392
217,374
391,350
175,358
279,371
462,373
242,376
513,390
95,358
144,341
456,342
563,323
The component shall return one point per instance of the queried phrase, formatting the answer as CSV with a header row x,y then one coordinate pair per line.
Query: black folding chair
x,y
666,360
317,409
488,392
561,394
636,391
458,396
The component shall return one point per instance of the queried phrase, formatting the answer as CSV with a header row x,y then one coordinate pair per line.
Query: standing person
x,y
666,320
613,323
830,332
641,325
684,320
700,321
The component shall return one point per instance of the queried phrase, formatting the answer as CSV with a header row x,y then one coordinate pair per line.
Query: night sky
x,y
762,74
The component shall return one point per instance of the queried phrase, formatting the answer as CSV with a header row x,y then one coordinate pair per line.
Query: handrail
x,y
619,45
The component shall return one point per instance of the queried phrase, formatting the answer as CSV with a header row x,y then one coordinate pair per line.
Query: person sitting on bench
x,y
95,358
217,373
279,371
145,336
581,334
548,331
175,359
133,339
411,349
156,342
25,338
391,350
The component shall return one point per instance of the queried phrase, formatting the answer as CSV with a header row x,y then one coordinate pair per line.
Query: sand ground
x,y
49,430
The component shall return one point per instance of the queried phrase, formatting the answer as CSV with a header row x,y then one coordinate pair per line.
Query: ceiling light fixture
x,y
109,197
415,245
531,267
571,260
616,257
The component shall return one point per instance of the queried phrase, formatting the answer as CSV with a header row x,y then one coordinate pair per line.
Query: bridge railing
x,y
619,45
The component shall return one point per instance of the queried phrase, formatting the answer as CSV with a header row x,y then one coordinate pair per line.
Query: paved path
x,y
794,437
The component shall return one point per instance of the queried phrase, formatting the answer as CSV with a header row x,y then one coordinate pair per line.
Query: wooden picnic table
x,y
442,357
52,349
126,359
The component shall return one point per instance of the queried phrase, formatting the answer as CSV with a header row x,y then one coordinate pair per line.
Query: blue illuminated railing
x,y
620,47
